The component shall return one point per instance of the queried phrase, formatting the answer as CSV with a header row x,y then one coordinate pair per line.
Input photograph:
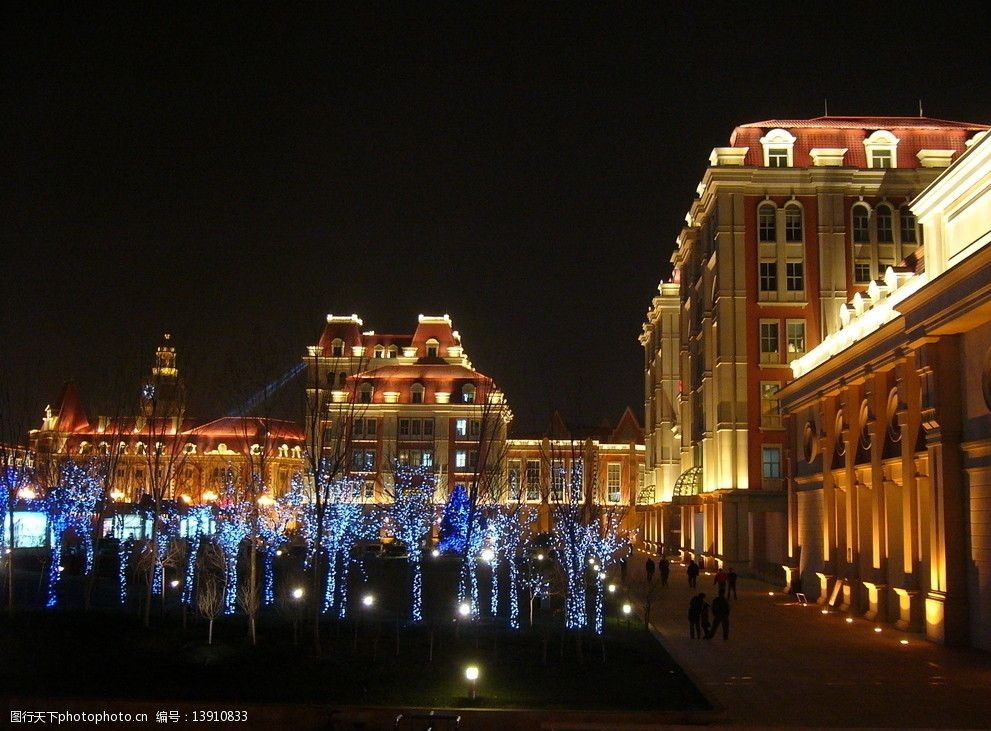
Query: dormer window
x,y
393,351
468,394
337,348
778,145
881,148
416,393
433,348
379,351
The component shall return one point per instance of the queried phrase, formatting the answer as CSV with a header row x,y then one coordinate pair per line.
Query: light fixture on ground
x,y
464,609
612,588
297,593
368,600
487,555
627,608
471,674
435,553
540,557
174,583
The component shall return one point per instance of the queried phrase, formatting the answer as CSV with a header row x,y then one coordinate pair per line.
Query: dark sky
x,y
232,177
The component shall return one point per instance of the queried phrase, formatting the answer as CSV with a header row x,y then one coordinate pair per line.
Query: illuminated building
x,y
158,434
887,429
414,398
791,220
612,465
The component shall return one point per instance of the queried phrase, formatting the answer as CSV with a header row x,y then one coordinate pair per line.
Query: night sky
x,y
232,178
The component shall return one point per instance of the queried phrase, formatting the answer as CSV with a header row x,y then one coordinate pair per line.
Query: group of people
x,y
665,568
699,626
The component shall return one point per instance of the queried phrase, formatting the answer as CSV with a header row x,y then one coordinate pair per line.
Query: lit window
x,y
461,427
861,273
515,487
533,479
881,147
767,230
363,460
613,481
770,408
416,393
778,145
769,342
461,458
771,462
795,276
861,230
557,480
796,337
768,276
885,225
793,223
468,394
907,225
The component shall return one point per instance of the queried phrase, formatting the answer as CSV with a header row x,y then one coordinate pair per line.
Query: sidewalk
x,y
790,665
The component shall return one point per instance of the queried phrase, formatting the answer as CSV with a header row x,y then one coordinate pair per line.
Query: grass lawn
x,y
106,653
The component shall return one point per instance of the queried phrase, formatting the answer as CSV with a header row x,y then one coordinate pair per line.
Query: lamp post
x,y
627,610
471,674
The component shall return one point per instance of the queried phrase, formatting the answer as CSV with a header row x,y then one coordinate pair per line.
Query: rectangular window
x,y
404,427
885,225
461,459
461,427
907,226
881,159
514,476
771,462
861,273
765,223
369,489
770,409
796,338
363,460
476,427
795,276
768,276
557,480
769,342
777,157
613,481
371,427
533,479
428,427
358,427
416,427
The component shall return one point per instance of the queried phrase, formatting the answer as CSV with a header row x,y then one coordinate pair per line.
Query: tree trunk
x,y
209,639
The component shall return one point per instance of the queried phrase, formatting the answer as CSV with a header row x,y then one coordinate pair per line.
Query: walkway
x,y
791,665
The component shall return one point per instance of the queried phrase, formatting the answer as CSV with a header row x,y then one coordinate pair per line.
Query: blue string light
x,y
410,518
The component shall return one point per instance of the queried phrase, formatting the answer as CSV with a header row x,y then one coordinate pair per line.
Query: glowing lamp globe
x,y
297,593
471,672
368,600
627,608
487,554
464,609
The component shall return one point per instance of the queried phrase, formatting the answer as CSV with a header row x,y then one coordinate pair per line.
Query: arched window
x,y
778,146
337,348
861,229
365,393
416,393
881,148
122,448
141,449
907,227
885,224
433,348
284,450
190,449
104,449
379,351
766,228
468,393
85,448
793,223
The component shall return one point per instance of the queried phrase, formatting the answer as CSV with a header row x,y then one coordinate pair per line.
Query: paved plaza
x,y
786,664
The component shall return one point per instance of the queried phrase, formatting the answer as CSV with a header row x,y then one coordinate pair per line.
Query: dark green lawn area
x,y
106,653
112,656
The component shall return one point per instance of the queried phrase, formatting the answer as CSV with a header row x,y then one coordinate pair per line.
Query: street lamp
x,y
471,674
297,593
368,600
464,609
612,588
487,554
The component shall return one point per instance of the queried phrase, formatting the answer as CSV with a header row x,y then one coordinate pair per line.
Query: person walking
x,y
720,580
731,583
622,569
720,616
695,608
693,573
665,566
650,569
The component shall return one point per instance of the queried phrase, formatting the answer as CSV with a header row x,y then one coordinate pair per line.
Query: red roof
x,y
420,372
71,415
249,427
871,123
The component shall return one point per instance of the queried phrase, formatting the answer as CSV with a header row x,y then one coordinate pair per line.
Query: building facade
x,y
791,220
151,443
888,428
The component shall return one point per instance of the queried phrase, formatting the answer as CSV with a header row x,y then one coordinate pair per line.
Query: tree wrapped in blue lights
x,y
572,536
234,515
454,523
605,541
345,523
198,524
124,550
70,505
510,524
409,519
273,523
